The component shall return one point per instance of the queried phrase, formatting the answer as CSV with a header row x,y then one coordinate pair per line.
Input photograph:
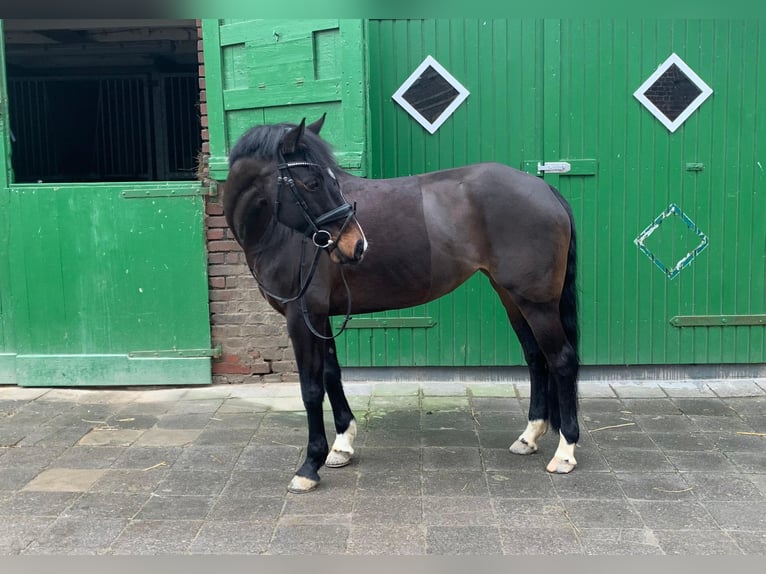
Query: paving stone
x,y
735,487
738,515
232,538
106,505
447,420
452,540
748,461
595,389
206,406
161,507
77,536
204,457
652,406
108,437
655,486
387,539
639,390
17,534
748,405
520,484
308,539
666,423
30,456
449,438
447,403
458,510
443,389
696,389
608,440
451,458
142,458
13,478
88,457
371,458
253,508
389,437
130,481
751,543
510,422
612,421
602,514
167,437
706,407
29,503
683,441
531,513
183,421
540,541
193,482
619,541
401,420
696,542
736,388
396,389
446,483
374,509
503,460
153,537
678,515
606,547
129,421
64,480
587,485
395,403
244,483
490,391
498,439
275,457
393,482
638,460
735,442
225,436
335,495
709,461
720,424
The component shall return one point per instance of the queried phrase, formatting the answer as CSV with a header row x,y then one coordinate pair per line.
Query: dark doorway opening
x,y
102,100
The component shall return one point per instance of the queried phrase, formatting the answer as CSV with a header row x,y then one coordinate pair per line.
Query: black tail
x,y
568,315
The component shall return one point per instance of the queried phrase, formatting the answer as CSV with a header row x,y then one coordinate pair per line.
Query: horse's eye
x,y
312,184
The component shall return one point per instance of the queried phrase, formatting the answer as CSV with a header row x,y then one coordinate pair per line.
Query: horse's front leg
x,y
345,425
309,354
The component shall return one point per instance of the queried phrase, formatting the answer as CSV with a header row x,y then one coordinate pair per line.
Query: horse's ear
x,y
292,138
317,125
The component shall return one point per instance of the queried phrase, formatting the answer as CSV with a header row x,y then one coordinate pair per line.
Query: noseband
x,y
321,237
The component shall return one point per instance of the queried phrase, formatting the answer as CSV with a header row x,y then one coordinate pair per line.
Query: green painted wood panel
x,y
550,90
100,271
270,71
628,303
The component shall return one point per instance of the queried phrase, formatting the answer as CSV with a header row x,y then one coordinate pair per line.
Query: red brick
x,y
217,221
216,282
215,233
227,245
214,208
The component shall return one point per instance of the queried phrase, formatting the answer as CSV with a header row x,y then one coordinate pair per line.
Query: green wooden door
x,y
562,90
101,284
271,71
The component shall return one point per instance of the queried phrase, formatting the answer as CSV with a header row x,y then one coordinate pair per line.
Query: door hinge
x,y
561,167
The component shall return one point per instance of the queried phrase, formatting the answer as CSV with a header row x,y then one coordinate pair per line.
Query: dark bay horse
x,y
321,242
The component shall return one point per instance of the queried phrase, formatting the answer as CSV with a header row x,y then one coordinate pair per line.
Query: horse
x,y
381,244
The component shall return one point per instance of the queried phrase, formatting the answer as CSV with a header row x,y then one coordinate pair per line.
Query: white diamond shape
x,y
673,125
463,93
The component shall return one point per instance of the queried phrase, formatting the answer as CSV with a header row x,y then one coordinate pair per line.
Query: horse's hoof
x,y
521,446
337,459
560,466
302,485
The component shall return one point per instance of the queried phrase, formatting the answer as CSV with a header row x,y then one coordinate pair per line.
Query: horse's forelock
x,y
264,141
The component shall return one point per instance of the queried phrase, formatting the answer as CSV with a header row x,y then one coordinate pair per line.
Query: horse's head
x,y
302,188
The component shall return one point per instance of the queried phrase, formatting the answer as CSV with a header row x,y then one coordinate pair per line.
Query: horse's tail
x,y
568,315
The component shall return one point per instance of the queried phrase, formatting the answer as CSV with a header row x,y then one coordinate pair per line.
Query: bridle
x,y
321,238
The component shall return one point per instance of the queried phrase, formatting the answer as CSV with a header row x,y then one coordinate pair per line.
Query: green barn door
x,y
101,284
701,299
500,63
671,234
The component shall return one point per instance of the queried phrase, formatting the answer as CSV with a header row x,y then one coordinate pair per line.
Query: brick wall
x,y
253,336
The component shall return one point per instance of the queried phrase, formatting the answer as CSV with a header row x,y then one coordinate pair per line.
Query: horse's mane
x,y
263,142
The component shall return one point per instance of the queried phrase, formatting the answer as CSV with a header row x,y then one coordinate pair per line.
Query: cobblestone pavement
x,y
664,468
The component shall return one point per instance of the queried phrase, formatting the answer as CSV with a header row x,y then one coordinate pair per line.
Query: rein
x,y
322,240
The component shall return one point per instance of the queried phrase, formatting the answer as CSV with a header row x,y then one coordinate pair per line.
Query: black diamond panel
x,y
672,92
430,94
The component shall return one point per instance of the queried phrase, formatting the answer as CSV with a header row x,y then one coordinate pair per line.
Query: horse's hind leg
x,y
345,425
545,323
537,422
